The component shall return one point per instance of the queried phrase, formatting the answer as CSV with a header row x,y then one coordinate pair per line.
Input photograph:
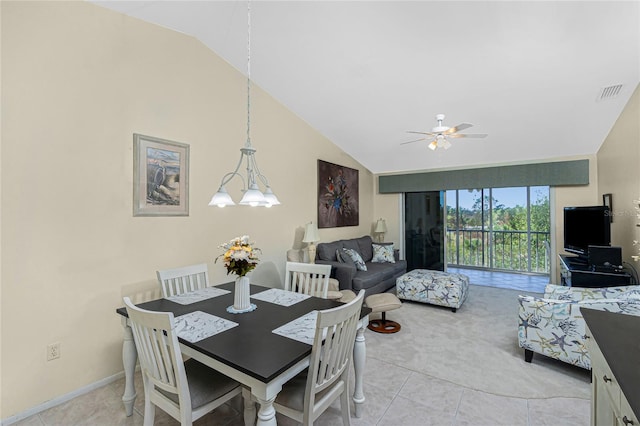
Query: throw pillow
x,y
383,253
343,258
355,257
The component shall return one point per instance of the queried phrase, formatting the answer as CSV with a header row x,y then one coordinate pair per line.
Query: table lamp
x,y
310,237
381,228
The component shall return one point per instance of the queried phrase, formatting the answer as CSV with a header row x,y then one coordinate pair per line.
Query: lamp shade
x,y
221,198
381,226
310,233
270,197
253,197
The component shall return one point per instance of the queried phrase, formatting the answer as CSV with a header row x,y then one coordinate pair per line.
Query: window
x,y
499,228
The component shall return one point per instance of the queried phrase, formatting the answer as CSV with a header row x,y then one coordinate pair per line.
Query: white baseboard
x,y
61,399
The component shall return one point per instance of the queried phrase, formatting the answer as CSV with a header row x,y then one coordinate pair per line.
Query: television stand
x,y
575,272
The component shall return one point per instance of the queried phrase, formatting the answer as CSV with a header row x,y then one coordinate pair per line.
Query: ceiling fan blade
x,y
421,133
416,140
455,129
468,135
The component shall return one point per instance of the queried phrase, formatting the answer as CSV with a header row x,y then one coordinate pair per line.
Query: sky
x,y
509,197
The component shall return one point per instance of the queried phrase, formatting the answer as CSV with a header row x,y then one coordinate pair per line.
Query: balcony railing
x,y
506,250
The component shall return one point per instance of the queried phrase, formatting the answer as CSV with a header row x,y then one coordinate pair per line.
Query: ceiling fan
x,y
439,135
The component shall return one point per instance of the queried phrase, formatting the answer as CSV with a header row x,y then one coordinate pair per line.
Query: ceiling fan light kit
x,y
440,134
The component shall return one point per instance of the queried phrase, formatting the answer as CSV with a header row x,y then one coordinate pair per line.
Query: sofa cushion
x,y
365,247
395,269
631,294
327,251
385,270
377,273
369,278
351,244
576,294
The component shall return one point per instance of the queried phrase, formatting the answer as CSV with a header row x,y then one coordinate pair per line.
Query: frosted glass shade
x,y
270,198
221,198
253,197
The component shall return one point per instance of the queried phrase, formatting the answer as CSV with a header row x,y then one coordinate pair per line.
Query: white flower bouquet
x,y
239,256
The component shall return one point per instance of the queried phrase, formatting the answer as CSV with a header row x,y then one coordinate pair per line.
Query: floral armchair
x,y
553,325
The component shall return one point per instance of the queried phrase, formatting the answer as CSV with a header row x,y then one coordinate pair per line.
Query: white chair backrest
x,y
183,280
158,351
332,347
307,278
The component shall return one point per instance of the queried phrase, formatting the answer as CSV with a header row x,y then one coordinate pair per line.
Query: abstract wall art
x,y
337,195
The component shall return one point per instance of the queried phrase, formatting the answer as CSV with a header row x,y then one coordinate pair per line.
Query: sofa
x,y
379,276
553,325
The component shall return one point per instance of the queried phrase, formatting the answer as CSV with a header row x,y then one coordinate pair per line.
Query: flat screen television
x,y
586,226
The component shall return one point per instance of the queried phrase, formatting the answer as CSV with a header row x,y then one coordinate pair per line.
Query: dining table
x,y
261,349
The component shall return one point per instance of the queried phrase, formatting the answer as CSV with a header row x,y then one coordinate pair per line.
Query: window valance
x,y
560,173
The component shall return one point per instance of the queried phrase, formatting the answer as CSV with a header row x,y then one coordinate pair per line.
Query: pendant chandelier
x,y
253,196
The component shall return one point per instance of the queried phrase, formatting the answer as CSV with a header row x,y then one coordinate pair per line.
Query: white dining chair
x,y
305,397
185,390
183,280
307,278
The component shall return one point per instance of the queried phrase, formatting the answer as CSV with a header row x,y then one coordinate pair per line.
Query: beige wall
x,y
613,170
77,82
567,196
619,175
389,208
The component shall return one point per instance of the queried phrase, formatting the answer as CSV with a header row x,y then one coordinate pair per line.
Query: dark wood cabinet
x,y
576,273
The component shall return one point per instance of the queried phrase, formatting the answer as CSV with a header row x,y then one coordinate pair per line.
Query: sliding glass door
x,y
424,230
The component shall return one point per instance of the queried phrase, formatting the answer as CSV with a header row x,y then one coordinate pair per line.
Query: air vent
x,y
609,92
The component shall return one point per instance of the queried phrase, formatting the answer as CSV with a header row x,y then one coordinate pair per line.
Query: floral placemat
x,y
280,297
197,295
198,325
302,329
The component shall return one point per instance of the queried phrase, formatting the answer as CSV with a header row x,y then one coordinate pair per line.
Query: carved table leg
x,y
249,408
129,358
266,414
359,356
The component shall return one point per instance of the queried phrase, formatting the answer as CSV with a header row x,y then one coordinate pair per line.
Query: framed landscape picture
x,y
337,195
160,177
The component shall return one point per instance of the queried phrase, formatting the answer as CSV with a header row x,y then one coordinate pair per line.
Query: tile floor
x,y
514,281
398,397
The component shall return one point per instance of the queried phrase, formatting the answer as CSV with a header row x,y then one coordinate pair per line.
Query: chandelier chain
x,y
248,74
253,196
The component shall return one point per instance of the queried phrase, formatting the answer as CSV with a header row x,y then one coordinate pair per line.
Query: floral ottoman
x,y
434,287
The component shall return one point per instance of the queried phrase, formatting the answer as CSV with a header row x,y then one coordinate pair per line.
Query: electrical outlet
x,y
53,351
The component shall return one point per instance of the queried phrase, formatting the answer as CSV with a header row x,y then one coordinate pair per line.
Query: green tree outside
x,y
511,243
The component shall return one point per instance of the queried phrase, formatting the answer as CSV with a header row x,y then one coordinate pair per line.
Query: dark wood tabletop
x,y
251,347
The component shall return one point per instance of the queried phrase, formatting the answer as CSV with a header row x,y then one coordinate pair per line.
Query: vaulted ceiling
x,y
528,73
